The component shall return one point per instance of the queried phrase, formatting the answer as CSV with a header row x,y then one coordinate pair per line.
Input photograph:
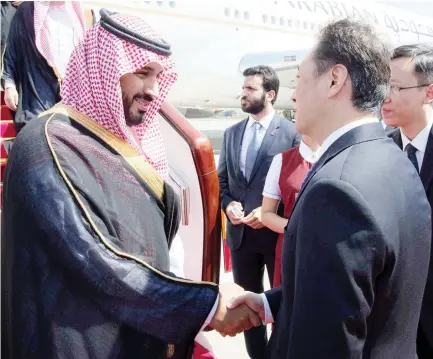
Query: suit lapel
x,y
426,168
396,137
237,149
267,142
363,133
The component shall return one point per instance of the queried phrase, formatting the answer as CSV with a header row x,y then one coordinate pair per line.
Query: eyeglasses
x,y
396,88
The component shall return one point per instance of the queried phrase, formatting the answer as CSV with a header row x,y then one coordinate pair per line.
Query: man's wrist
x,y
210,318
9,84
267,309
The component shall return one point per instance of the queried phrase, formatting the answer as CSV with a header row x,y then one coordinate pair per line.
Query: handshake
x,y
237,311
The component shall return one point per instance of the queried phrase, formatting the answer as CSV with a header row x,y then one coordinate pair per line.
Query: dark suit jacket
x,y
355,255
280,136
426,319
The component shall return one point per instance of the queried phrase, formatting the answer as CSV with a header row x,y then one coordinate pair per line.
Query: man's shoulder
x,y
378,153
25,9
392,132
284,122
236,127
36,130
287,127
364,161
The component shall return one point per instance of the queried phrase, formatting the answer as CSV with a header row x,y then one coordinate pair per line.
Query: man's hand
x,y
11,98
252,300
254,219
233,321
235,212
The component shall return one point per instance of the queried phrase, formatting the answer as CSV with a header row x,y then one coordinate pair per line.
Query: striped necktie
x,y
252,151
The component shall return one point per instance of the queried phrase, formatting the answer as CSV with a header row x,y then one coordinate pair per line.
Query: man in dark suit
x,y
246,154
409,106
356,248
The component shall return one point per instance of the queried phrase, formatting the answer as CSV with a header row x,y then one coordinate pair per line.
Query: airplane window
x,y
160,3
313,26
289,23
246,15
265,18
237,14
227,11
281,21
305,25
172,3
298,24
273,20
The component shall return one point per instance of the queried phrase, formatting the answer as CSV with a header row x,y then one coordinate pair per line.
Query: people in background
x,y
41,38
409,107
283,182
8,9
247,150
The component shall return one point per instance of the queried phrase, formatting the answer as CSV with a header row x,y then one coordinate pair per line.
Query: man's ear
x,y
429,95
271,95
337,78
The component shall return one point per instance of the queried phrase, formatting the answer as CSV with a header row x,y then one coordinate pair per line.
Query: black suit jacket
x,y
355,255
426,174
280,136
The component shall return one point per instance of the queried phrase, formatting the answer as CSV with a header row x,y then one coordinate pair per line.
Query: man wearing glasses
x,y
409,107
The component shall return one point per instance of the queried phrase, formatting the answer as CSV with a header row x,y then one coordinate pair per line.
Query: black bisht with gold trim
x,y
86,230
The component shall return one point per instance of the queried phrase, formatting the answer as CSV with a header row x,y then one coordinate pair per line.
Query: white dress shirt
x,y
272,187
419,142
248,136
326,144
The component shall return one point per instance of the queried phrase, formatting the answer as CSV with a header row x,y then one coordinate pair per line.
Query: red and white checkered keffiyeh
x,y
43,39
92,85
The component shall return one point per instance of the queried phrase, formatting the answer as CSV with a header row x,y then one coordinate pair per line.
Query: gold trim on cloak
x,y
134,159
111,140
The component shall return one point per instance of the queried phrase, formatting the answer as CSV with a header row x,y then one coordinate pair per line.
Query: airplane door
x,y
194,177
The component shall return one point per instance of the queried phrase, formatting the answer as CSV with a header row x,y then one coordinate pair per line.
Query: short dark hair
x,y
367,58
269,77
422,55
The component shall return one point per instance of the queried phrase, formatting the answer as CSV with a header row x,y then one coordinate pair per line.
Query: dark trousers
x,y
423,347
248,264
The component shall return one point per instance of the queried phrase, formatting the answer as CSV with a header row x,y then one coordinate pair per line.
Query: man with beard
x,y
88,219
246,155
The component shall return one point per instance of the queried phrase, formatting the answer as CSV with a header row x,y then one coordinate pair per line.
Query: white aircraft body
x,y
214,41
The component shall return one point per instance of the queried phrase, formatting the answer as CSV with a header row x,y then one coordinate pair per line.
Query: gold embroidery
x,y
92,223
135,160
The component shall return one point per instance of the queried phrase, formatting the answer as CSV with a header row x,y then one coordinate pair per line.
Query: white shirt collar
x,y
307,153
420,141
334,136
265,121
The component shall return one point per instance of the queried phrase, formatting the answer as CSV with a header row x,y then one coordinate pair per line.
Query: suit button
x,y
248,190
